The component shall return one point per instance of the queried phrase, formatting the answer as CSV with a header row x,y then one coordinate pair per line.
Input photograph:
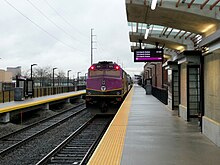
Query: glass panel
x,y
175,88
194,92
112,73
210,2
96,73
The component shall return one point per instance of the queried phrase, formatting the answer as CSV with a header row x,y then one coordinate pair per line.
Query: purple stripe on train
x,y
109,83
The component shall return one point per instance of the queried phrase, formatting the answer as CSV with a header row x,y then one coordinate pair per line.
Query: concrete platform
x,y
11,107
155,136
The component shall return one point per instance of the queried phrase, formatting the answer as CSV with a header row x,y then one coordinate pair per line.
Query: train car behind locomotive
x,y
107,83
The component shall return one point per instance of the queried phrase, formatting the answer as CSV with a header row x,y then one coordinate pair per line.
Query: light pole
x,y
31,69
74,83
68,79
53,75
78,77
53,79
32,94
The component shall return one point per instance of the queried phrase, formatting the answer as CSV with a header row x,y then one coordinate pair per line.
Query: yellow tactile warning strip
x,y
109,150
34,103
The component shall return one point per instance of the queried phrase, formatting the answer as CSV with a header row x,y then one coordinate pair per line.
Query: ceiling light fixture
x,y
153,4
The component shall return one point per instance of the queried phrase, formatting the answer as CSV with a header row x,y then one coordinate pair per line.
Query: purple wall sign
x,y
148,55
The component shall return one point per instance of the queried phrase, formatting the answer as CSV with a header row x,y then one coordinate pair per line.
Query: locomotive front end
x,y
104,85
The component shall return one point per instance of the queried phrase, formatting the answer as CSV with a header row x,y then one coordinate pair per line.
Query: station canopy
x,y
175,25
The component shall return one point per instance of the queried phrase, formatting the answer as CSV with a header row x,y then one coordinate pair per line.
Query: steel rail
x,y
36,133
38,122
61,145
93,146
69,139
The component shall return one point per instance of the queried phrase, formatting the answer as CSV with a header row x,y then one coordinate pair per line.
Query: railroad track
x,y
11,141
77,148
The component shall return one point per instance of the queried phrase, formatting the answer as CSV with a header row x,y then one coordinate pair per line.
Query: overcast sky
x,y
56,33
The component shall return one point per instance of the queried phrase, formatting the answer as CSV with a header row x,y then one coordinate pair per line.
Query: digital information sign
x,y
148,55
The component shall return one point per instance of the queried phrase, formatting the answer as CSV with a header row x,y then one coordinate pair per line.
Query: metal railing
x,y
7,96
161,94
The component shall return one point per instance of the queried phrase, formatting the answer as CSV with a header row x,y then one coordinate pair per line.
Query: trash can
x,y
148,86
18,94
148,89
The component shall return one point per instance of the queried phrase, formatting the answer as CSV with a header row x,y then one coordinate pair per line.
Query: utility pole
x,y
92,46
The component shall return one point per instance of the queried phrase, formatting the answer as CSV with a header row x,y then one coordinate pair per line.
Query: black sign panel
x,y
148,55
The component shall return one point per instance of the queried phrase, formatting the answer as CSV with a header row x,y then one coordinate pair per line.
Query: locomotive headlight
x,y
103,88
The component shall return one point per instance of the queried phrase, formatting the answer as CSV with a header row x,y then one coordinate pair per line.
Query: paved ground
x,y
156,136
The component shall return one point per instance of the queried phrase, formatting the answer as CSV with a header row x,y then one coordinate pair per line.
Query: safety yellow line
x,y
34,103
109,150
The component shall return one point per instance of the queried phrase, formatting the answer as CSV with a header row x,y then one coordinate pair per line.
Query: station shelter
x,y
187,80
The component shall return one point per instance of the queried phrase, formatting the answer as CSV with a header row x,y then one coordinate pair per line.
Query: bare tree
x,y
26,73
60,77
42,76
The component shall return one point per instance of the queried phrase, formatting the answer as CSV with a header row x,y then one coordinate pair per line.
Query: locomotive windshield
x,y
105,68
112,73
115,73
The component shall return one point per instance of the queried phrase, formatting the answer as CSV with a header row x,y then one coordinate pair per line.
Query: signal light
x,y
117,67
92,68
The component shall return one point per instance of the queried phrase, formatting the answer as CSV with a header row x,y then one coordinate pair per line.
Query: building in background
x,y
5,76
6,80
16,71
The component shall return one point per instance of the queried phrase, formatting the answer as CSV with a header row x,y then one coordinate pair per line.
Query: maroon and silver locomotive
x,y
107,83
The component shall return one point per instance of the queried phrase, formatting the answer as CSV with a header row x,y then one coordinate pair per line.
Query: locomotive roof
x,y
105,62
108,62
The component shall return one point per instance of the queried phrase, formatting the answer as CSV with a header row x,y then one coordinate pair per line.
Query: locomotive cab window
x,y
95,73
115,73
